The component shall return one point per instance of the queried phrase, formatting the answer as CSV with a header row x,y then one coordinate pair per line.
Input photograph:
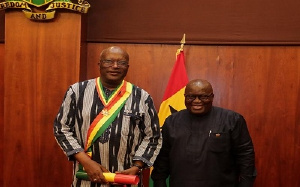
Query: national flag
x,y
173,99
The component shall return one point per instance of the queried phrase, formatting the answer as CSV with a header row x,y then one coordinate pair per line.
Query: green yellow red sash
x,y
112,107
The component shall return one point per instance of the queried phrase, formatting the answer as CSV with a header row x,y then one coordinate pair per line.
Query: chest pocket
x,y
132,121
219,142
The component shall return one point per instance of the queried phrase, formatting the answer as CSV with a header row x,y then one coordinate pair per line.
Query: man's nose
x,y
197,99
115,64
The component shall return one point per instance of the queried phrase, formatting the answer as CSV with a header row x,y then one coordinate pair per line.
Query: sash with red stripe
x,y
112,107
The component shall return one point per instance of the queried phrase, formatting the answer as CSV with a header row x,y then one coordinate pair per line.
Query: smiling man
x,y
107,124
205,145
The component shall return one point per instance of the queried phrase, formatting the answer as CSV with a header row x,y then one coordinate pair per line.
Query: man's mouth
x,y
114,73
197,107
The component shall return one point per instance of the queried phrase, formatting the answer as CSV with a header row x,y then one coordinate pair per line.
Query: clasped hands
x,y
95,172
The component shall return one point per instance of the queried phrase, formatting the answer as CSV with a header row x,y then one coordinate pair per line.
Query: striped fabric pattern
x,y
133,135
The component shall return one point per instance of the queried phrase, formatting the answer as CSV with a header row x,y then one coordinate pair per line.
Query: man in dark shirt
x,y
205,145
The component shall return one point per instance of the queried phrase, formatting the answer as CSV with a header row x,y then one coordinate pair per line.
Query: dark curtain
x,y
203,21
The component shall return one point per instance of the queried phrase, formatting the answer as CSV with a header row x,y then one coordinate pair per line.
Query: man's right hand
x,y
92,168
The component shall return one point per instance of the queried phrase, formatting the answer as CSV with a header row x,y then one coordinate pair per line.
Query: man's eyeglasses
x,y
204,98
109,63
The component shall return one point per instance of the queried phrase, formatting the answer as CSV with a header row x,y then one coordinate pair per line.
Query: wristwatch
x,y
138,166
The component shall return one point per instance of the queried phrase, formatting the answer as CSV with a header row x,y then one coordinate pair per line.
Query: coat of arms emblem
x,y
38,3
48,12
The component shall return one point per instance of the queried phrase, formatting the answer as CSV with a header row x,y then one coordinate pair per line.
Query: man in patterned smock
x,y
107,124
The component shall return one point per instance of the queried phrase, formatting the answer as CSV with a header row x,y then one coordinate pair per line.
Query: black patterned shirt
x,y
133,135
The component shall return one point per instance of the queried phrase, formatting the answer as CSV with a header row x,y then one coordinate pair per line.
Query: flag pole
x,y
182,42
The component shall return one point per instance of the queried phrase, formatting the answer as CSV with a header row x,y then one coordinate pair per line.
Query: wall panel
x,y
260,82
1,107
42,59
204,22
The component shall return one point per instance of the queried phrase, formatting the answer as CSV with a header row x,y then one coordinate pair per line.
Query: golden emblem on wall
x,y
44,9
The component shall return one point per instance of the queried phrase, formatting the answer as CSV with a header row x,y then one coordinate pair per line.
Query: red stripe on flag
x,y
177,81
178,78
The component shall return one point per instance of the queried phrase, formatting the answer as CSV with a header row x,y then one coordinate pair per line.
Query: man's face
x,y
113,67
198,98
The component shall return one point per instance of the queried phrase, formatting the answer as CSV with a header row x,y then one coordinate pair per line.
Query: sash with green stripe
x,y
112,106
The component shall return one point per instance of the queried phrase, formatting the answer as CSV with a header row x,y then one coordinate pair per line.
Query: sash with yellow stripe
x,y
112,106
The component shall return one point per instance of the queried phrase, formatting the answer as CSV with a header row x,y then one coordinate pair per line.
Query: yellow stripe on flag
x,y
173,99
176,101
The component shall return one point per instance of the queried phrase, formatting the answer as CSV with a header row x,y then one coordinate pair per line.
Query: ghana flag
x,y
173,99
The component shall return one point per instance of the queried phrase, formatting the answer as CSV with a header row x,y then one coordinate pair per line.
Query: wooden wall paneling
x,y
1,107
296,146
204,22
42,60
146,64
263,86
260,82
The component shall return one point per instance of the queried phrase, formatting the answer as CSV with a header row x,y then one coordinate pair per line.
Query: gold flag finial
x,y
182,44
